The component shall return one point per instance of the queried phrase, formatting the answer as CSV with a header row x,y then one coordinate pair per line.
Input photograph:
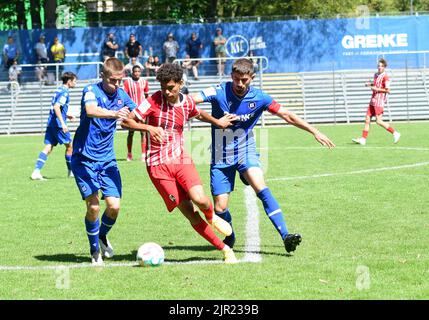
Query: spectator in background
x,y
129,67
41,57
41,50
220,51
170,48
193,49
10,53
109,47
58,53
15,72
186,65
254,61
133,48
152,65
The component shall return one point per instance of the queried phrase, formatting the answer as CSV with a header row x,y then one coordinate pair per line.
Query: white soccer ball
x,y
150,254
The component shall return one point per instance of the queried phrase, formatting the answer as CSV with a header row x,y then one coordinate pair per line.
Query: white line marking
x,y
253,242
357,148
406,166
109,265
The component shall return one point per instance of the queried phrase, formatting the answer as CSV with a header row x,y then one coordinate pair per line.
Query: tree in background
x,y
15,14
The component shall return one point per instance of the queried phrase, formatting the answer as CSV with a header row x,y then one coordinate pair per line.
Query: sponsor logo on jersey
x,y
252,105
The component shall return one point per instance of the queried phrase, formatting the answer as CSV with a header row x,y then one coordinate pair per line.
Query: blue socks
x,y
92,231
68,162
226,215
273,211
106,224
41,161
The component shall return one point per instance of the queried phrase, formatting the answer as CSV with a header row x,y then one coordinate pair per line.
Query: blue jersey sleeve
x,y
128,102
61,98
266,100
209,94
88,95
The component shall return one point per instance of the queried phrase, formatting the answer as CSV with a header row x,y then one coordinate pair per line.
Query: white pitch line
x,y
109,265
357,148
406,166
253,243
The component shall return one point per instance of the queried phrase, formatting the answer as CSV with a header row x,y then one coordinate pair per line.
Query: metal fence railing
x,y
336,96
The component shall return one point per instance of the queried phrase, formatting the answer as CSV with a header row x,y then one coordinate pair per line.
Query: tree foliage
x,y
14,13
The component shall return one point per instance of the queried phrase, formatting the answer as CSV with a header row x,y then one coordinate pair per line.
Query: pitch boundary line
x,y
252,246
110,265
346,148
323,175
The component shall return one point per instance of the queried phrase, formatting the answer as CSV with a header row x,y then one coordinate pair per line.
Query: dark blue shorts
x,y
56,135
222,177
91,176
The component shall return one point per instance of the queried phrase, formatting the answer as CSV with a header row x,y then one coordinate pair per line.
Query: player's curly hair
x,y
168,72
383,61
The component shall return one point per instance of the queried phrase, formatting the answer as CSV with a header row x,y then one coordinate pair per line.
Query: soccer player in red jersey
x,y
380,88
138,89
170,168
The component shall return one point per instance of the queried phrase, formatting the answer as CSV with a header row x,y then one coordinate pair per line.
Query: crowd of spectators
x,y
133,54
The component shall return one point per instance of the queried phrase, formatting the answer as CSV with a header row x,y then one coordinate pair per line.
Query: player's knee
x,y
200,200
220,207
113,210
379,122
93,209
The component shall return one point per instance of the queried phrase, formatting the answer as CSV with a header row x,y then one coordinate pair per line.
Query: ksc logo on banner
x,y
237,46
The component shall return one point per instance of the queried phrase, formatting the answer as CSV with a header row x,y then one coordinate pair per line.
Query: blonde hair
x,y
112,65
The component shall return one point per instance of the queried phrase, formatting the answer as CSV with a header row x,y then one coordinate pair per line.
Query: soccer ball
x,y
150,254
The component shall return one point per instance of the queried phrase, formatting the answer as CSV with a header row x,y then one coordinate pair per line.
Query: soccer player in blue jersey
x,y
94,162
234,149
57,131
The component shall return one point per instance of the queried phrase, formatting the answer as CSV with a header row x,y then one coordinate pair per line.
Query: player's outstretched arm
x,y
298,122
132,123
94,111
222,123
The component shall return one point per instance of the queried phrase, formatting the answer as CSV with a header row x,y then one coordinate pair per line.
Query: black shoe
x,y
291,241
230,240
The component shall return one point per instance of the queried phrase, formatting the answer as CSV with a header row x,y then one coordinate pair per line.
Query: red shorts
x,y
374,111
174,180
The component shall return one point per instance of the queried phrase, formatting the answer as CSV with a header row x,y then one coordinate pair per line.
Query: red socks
x,y
208,213
129,147
207,233
391,130
364,134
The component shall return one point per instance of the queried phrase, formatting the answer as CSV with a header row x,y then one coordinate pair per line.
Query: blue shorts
x,y
55,135
91,176
222,177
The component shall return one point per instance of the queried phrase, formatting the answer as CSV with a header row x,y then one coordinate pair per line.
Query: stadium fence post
x,y
334,93
41,107
261,85
406,88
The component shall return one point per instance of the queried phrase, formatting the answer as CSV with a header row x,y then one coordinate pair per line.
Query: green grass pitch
x,y
357,208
